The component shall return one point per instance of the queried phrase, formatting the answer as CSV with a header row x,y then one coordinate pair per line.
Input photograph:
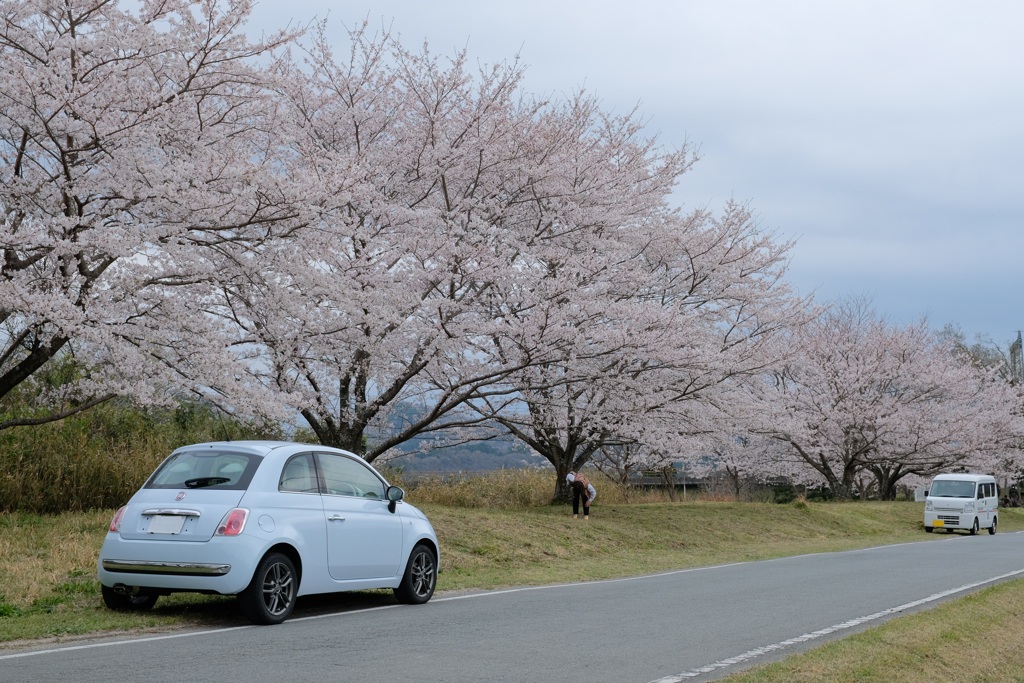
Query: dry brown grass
x,y
40,555
522,488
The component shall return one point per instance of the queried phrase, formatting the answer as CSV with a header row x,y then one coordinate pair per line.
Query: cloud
x,y
885,136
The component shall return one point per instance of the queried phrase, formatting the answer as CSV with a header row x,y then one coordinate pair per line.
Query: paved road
x,y
694,625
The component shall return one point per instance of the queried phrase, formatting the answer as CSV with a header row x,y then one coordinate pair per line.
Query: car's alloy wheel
x,y
270,596
420,577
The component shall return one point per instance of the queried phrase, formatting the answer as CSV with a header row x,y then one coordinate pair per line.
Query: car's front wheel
x,y
420,577
128,600
974,529
270,596
992,529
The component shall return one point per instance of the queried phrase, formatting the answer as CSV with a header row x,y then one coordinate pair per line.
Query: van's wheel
x,y
270,596
974,529
992,529
929,529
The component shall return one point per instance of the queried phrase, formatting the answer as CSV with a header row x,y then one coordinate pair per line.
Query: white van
x,y
962,501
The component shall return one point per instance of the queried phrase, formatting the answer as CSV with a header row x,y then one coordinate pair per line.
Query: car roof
x,y
258,447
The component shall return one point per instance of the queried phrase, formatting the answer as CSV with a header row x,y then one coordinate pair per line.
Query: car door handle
x,y
335,518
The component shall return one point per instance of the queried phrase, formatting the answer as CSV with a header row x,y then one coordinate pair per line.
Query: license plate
x,y
938,522
166,524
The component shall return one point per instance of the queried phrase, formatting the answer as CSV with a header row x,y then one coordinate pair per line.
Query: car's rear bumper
x,y
220,565
182,568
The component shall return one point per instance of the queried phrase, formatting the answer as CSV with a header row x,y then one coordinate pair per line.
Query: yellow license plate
x,y
938,522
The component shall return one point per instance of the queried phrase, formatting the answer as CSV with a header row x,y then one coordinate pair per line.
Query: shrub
x,y
784,493
99,458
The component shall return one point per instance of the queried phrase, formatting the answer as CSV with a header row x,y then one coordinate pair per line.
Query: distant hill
x,y
473,457
502,452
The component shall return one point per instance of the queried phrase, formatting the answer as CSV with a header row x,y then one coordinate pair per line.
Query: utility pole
x,y
1016,361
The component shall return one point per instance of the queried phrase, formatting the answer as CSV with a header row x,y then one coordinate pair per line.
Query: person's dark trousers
x,y
576,495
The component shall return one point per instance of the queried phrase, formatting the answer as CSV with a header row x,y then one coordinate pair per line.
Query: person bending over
x,y
583,490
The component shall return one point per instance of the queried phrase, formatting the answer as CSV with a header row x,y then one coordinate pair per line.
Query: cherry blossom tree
x,y
692,307
982,351
132,144
867,397
431,194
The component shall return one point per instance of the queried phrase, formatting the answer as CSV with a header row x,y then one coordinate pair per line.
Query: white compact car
x,y
267,521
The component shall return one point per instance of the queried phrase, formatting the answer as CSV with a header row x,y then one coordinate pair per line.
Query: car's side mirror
x,y
394,494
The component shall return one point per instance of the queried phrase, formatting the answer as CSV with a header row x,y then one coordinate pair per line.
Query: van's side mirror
x,y
926,493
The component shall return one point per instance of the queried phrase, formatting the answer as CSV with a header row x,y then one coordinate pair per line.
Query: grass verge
x,y
49,587
48,576
974,639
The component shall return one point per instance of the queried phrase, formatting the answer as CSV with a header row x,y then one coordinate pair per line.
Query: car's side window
x,y
346,476
299,475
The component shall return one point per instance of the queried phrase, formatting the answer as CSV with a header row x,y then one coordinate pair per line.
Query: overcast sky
x,y
886,138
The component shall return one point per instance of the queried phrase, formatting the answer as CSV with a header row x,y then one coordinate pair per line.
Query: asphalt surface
x,y
691,625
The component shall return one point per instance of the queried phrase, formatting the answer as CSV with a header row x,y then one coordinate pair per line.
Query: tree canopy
x,y
382,243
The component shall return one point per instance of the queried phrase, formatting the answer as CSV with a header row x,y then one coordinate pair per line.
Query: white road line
x,y
108,643
775,647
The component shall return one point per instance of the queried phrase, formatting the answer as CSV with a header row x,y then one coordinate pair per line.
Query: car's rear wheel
x,y
420,577
128,600
270,596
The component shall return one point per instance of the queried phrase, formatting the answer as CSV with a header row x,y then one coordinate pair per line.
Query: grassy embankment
x,y
47,572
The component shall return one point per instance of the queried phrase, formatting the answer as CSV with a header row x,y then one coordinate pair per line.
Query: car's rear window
x,y
205,469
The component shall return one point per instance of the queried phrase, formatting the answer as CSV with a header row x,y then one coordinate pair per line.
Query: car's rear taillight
x,y
115,522
233,522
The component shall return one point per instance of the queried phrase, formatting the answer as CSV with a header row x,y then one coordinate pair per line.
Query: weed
x,y
7,609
